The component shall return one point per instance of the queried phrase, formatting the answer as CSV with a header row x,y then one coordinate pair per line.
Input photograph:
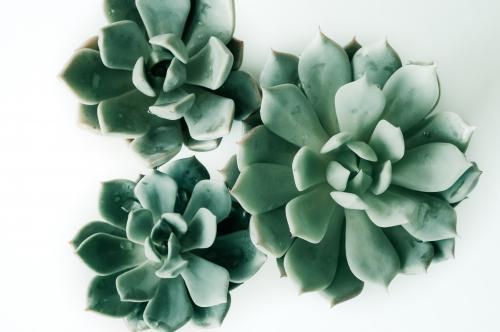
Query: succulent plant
x,y
172,247
351,179
164,73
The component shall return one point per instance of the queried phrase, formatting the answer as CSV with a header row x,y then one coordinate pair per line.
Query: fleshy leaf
x,y
174,264
377,61
160,144
336,141
211,195
120,10
237,48
107,254
186,172
126,115
96,227
173,105
119,36
382,179
140,78
390,208
157,192
206,282
139,225
363,150
264,187
176,75
270,233
288,113
411,93
348,200
135,320
431,167
359,106
359,183
443,250
176,223
210,117
150,252
236,253
87,117
139,284
387,141
211,317
230,172
444,127
172,43
309,214
313,266
260,145
280,68
201,232
170,308
371,256
323,68
92,81
162,17
209,18
415,256
103,298
201,146
337,175
211,66
463,186
244,90
115,200
308,168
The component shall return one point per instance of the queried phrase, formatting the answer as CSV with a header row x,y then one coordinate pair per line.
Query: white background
x,y
50,169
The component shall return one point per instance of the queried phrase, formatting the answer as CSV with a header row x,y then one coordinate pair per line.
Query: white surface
x,y
51,169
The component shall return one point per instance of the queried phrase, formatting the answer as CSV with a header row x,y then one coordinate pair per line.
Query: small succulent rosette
x,y
351,179
172,247
162,74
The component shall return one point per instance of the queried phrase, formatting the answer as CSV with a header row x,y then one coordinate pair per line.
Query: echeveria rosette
x,y
172,247
350,179
164,73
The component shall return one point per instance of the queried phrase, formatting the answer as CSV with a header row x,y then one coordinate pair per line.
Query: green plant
x,y
163,73
351,179
172,247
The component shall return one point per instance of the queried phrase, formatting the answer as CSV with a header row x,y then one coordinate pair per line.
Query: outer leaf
x,y
139,225
463,186
308,168
323,68
139,284
103,298
107,254
270,233
201,232
431,167
115,201
186,172
264,187
211,317
87,116
211,195
230,172
280,68
443,250
313,266
370,255
377,61
157,192
287,112
120,10
411,93
155,12
244,90
96,227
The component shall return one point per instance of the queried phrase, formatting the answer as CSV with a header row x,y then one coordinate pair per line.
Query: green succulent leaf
x,y
289,114
310,214
170,308
348,200
201,232
415,256
107,254
360,183
139,284
176,75
237,48
91,81
388,142
206,282
119,36
175,263
377,62
323,68
135,320
155,12
443,250
172,43
210,67
382,178
139,225
201,146
445,127
313,266
411,94
210,117
116,200
121,10
213,196
159,144
236,253
337,175
270,232
264,187
359,106
211,317
390,208
432,167
157,192
244,90
260,145
103,298
140,78
370,255
126,116
308,168
230,172
87,117
280,68
96,227
186,172
463,186
363,150
336,141
210,18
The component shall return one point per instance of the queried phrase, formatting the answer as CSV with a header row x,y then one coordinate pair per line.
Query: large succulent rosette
x,y
164,73
351,179
172,247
